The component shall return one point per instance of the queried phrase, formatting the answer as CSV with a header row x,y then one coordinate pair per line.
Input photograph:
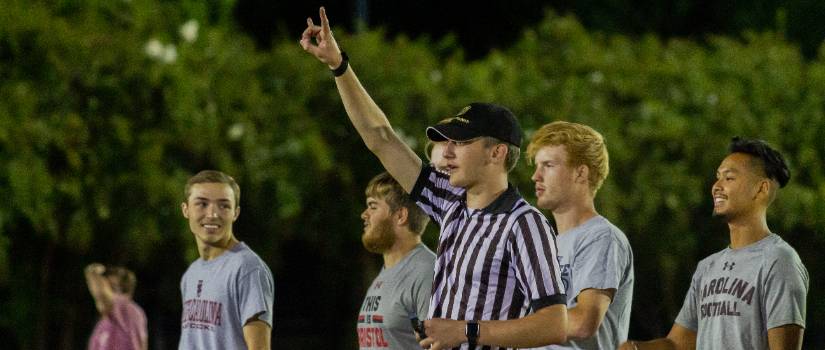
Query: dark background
x,y
482,26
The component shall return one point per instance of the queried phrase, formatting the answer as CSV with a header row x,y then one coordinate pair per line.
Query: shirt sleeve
x,y
534,256
255,295
786,290
599,264
420,291
688,316
434,194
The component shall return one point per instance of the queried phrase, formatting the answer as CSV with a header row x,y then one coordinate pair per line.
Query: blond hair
x,y
584,145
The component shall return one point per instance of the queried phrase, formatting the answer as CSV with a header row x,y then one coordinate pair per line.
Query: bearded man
x,y
393,224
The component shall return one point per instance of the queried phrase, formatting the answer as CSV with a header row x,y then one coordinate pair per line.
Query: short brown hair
x,y
385,187
513,151
584,145
125,280
212,176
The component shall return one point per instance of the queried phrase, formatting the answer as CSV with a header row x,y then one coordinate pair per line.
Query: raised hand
x,y
324,48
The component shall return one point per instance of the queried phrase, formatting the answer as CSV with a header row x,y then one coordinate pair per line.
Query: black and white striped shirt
x,y
496,263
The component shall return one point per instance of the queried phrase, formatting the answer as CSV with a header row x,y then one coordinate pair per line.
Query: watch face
x,y
472,330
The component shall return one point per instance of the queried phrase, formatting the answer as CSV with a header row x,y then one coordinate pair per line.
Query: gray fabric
x,y
737,295
396,294
220,295
597,255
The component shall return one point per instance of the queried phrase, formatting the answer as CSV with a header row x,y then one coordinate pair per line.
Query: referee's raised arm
x,y
370,122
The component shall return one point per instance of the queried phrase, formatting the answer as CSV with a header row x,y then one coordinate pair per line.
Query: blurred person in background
x,y
122,323
434,150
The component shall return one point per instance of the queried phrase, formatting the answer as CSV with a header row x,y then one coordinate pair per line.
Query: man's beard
x,y
379,238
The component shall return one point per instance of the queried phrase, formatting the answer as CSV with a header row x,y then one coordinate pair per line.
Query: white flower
x,y
596,77
235,131
170,54
436,76
153,48
713,99
189,30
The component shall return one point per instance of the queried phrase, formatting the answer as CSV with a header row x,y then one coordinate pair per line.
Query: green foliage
x,y
107,107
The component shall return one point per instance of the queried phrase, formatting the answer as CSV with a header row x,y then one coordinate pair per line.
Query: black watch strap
x,y
342,68
472,331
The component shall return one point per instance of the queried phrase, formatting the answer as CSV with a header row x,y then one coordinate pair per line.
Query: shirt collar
x,y
503,203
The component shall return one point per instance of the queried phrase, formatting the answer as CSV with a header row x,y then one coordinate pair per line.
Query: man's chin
x,y
373,249
211,238
455,181
373,246
376,244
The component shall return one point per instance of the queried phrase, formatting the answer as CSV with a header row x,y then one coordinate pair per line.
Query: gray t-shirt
x,y
220,295
396,294
736,295
597,255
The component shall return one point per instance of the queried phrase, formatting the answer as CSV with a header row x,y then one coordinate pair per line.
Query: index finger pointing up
x,y
324,21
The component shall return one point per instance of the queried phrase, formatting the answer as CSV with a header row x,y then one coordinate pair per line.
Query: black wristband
x,y
342,68
472,331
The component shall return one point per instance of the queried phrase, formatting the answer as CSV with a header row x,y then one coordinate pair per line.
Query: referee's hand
x,y
443,334
324,47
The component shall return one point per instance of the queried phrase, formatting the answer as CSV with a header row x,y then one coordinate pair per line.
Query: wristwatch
x,y
472,331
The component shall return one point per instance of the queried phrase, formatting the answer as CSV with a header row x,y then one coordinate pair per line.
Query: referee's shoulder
x,y
522,207
524,212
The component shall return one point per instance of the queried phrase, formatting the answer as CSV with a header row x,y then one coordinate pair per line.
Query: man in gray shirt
x,y
751,295
594,255
393,224
228,292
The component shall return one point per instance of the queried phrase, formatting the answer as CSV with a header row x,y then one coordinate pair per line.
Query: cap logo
x,y
457,119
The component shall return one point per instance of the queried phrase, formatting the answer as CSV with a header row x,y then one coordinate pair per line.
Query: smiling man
x,y
228,292
752,294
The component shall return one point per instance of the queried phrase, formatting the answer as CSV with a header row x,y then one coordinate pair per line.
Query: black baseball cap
x,y
478,119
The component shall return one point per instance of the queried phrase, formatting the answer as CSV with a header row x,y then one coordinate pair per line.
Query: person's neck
x,y
480,195
748,230
574,214
400,249
212,251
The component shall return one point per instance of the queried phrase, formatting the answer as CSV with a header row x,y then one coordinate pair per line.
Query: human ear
x,y
500,151
583,173
402,216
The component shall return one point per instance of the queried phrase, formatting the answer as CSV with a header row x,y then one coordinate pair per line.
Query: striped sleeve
x,y
434,194
535,259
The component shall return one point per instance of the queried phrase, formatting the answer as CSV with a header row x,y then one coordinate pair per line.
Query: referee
x,y
497,282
